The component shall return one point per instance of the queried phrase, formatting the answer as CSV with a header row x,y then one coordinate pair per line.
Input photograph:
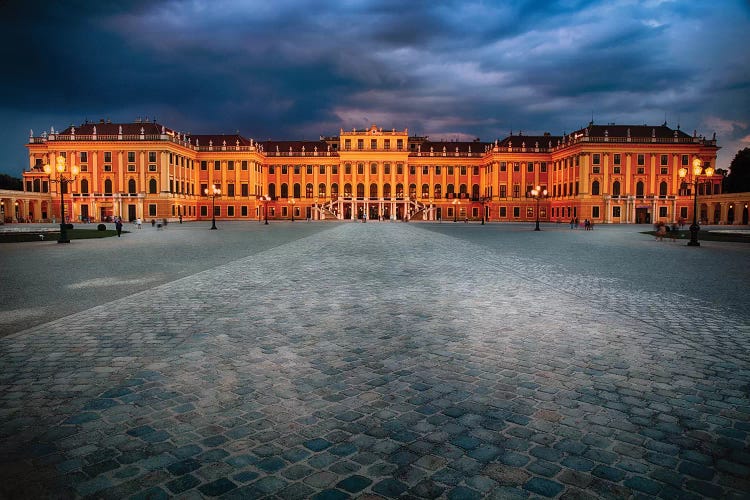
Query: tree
x,y
738,180
8,182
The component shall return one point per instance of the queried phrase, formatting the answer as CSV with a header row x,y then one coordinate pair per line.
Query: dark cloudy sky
x,y
293,69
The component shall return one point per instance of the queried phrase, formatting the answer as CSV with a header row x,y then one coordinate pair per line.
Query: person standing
x,y
118,226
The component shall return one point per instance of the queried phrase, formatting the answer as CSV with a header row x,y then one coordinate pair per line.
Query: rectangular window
x,y
152,209
131,156
595,170
107,168
360,144
616,170
243,189
412,170
503,212
284,170
271,170
685,160
84,168
373,144
309,169
662,211
516,212
543,167
400,168
230,165
243,211
640,170
217,211
617,159
664,160
437,170
516,167
463,169
347,144
425,170
597,159
450,170
503,166
373,169
386,144
230,189
152,156
530,167
360,169
107,157
529,212
204,211
334,170
296,169
322,170
683,212
244,165
641,159
516,191
217,165
503,191
616,212
664,170
152,168
131,168
399,144
475,212
595,212
230,211
84,157
204,165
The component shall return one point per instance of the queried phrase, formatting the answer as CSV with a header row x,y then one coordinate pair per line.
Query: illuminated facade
x,y
605,173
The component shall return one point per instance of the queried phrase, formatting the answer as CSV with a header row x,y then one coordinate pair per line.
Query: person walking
x,y
118,226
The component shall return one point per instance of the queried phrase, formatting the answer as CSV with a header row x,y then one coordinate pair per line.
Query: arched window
x,y
373,189
663,187
322,190
131,186
386,190
37,185
347,190
616,188
595,187
462,190
272,190
399,190
360,190
84,186
475,191
284,190
152,186
639,189
108,186
412,191
297,190
334,190
309,191
438,191
425,190
450,191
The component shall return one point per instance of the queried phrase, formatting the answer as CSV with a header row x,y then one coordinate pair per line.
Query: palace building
x,y
605,173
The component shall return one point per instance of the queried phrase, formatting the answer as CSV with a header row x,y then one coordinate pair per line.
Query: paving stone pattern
x,y
379,360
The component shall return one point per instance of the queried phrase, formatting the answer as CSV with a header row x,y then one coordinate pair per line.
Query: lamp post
x,y
61,178
291,203
696,172
265,200
538,193
213,193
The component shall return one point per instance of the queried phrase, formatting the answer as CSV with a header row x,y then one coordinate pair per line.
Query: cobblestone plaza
x,y
337,360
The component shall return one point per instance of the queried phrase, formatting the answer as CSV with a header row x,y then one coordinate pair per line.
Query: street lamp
x,y
456,204
697,172
265,200
538,193
291,203
61,178
213,193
